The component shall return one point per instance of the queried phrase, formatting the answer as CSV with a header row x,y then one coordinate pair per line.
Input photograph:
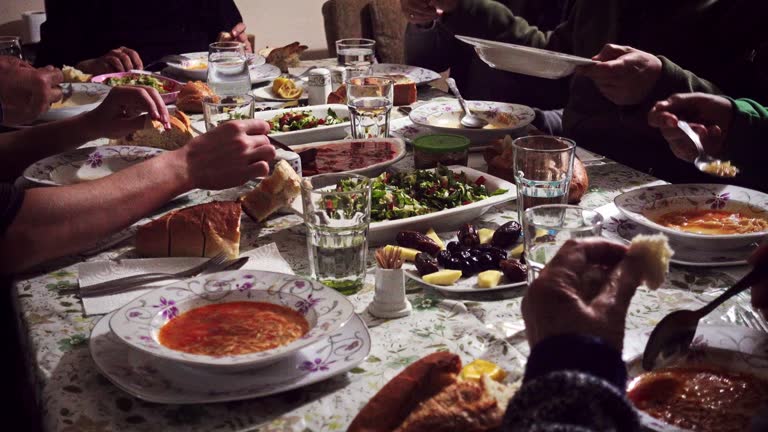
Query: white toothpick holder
x,y
389,299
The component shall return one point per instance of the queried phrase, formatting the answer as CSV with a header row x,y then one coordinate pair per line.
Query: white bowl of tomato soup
x,y
232,320
706,216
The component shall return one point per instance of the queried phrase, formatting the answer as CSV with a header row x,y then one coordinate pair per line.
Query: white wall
x,y
273,22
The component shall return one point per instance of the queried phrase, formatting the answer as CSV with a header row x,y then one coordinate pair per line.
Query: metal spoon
x,y
704,162
468,120
675,332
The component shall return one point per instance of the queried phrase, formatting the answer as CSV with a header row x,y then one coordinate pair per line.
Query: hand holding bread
x,y
125,110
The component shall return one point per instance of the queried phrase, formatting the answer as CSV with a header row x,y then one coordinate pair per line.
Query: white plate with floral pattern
x,y
730,348
644,204
156,380
85,97
416,74
503,118
196,65
139,322
88,163
619,227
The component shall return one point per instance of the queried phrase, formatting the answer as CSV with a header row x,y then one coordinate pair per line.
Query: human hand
x,y
709,116
624,75
760,291
26,92
418,12
228,156
8,62
117,60
585,289
124,110
238,34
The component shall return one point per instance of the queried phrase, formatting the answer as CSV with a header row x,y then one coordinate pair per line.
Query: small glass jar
x,y
444,149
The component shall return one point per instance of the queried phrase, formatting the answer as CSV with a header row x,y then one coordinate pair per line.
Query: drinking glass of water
x,y
337,211
356,55
218,110
547,227
543,167
11,46
370,100
228,73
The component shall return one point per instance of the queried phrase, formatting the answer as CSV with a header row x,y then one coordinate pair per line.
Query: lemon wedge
x,y
286,88
478,368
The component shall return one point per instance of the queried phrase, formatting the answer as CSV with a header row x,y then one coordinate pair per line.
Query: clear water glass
x,y
370,101
547,227
356,55
218,110
11,46
337,229
228,73
543,167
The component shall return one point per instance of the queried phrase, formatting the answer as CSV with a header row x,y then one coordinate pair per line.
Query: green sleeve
x,y
675,79
747,142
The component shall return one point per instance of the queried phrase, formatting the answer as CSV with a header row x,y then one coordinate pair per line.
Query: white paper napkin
x,y
266,258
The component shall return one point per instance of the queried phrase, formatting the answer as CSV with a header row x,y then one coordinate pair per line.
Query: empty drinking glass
x,y
547,227
218,110
11,46
357,55
370,102
228,73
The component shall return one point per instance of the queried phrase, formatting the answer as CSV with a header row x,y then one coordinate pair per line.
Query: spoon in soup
x,y
704,162
468,120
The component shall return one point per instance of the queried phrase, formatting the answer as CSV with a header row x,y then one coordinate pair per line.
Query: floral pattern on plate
x,y
139,322
619,227
161,381
48,171
417,74
443,117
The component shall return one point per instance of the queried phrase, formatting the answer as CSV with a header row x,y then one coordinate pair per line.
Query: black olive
x,y
453,246
463,254
469,266
514,270
453,264
425,264
468,236
522,258
443,257
506,235
499,254
418,241
487,262
475,252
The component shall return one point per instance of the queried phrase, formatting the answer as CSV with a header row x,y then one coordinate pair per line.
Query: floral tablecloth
x,y
73,396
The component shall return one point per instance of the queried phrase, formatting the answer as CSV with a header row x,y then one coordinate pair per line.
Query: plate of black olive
x,y
494,259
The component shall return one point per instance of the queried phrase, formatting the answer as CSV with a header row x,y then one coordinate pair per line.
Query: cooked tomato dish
x,y
712,222
699,398
233,328
346,156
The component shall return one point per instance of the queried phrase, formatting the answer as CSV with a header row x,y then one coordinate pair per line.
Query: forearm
x,y
54,222
21,148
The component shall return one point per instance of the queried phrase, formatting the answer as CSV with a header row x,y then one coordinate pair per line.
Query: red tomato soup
x,y
233,328
351,155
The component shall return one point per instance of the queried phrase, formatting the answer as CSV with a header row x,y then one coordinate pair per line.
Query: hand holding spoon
x,y
704,162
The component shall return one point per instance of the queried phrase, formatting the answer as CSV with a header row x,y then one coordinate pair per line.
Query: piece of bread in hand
x,y
284,57
274,192
73,75
203,230
154,134
654,253
191,96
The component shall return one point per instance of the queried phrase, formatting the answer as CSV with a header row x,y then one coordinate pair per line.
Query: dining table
x,y
72,395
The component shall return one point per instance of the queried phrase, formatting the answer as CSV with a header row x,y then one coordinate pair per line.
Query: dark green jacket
x,y
712,46
747,141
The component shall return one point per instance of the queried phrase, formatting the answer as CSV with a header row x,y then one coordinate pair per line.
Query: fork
x,y
751,319
108,287
66,91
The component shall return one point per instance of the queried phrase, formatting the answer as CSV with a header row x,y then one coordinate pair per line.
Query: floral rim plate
x,y
734,348
417,74
195,58
264,72
639,204
172,86
86,164
85,97
138,323
156,380
444,117
618,227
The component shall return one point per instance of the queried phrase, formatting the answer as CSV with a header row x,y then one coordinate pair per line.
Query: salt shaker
x,y
389,300
319,86
338,77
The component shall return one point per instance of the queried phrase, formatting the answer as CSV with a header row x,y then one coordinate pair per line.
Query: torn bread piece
x,y
655,254
274,192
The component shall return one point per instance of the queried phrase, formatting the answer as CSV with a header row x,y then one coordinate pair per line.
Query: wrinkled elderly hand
x,y
625,75
228,156
585,289
26,92
124,110
117,60
709,116
760,291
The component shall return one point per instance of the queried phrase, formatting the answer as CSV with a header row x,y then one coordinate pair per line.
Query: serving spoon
x,y
675,332
468,120
704,162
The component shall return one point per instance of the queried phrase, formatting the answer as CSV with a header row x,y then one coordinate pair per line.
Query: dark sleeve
x,y
572,383
62,36
430,48
229,16
746,137
11,199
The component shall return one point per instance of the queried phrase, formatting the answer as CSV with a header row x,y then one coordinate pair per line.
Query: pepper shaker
x,y
338,77
319,86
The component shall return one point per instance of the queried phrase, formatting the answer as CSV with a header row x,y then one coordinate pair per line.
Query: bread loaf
x,y
274,192
203,230
155,135
284,57
191,96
